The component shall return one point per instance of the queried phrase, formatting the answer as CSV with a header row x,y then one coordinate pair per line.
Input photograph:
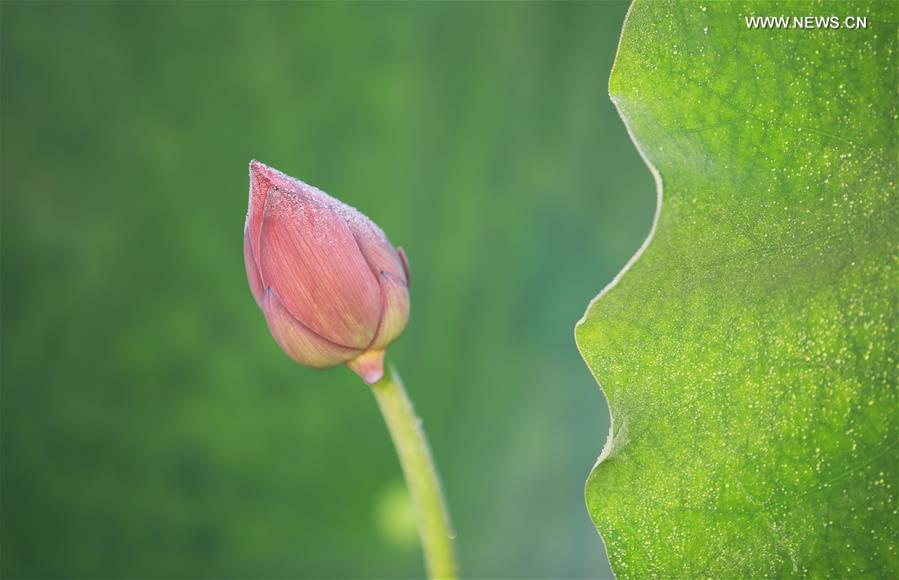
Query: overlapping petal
x,y
260,183
395,310
402,254
262,180
300,342
311,259
253,276
373,243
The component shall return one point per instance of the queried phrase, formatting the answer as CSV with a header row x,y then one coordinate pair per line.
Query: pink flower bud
x,y
331,285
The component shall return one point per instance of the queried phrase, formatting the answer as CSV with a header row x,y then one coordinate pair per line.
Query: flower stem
x,y
434,527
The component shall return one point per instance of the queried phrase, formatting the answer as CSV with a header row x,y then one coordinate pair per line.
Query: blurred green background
x,y
150,425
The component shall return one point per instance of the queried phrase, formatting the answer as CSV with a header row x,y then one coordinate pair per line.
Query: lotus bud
x,y
332,287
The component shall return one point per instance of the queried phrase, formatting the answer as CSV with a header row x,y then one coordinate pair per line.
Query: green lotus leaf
x,y
748,352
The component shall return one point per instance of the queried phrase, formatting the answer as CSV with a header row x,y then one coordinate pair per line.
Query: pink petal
x,y
299,342
259,186
252,270
375,246
395,313
310,258
405,261
262,179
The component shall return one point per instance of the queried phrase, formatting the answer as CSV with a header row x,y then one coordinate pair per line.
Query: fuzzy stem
x,y
434,527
